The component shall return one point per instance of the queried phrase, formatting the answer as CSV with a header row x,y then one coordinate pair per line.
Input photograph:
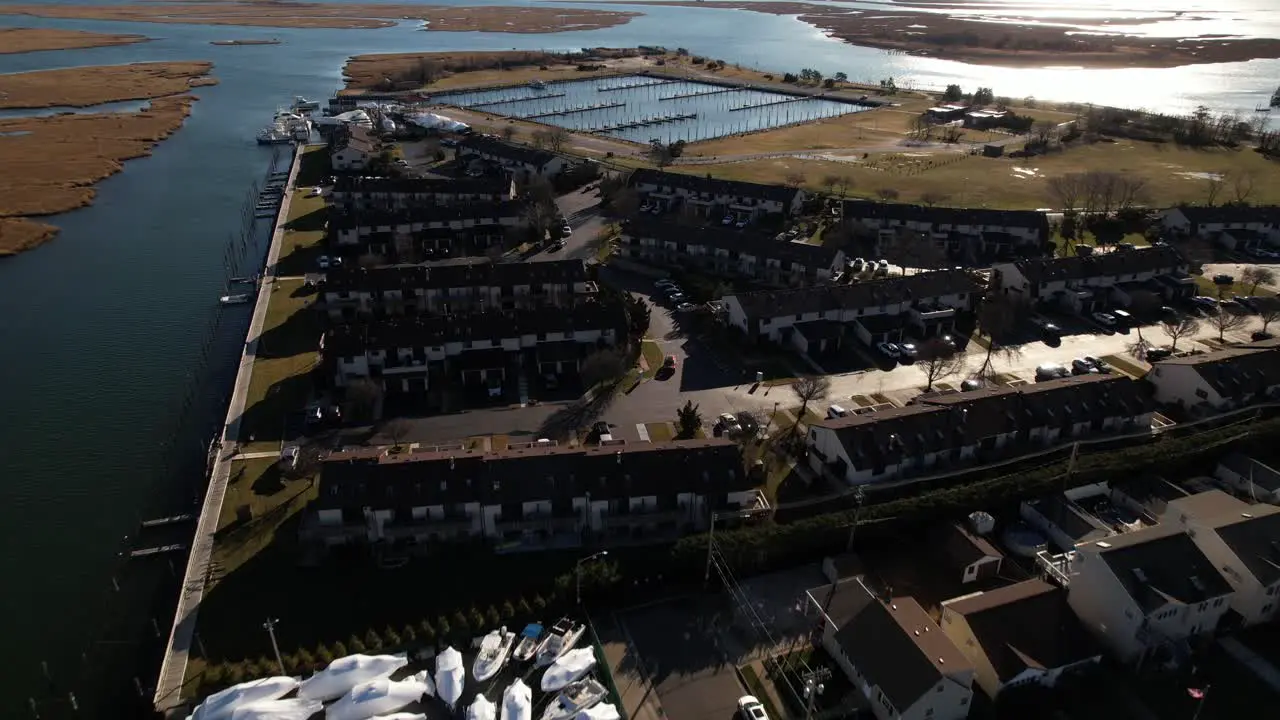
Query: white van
x,y
835,411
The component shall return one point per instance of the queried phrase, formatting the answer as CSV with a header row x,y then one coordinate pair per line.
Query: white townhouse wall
x,y
705,192
1217,380
1208,222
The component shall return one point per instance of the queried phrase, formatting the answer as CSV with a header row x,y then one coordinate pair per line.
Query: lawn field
x,y
287,351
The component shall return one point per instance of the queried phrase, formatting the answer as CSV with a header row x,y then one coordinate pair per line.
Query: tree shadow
x,y
299,333
313,168
311,222
577,415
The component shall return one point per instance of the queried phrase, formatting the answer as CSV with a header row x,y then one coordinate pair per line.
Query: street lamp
x,y
577,572
270,627
812,689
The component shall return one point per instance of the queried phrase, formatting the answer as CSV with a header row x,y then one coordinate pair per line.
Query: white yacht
x,y
450,676
274,135
537,84
517,702
574,698
380,696
494,650
560,639
482,709
302,104
571,666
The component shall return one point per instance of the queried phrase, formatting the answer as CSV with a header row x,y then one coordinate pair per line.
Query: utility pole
x,y
813,687
711,535
270,627
577,572
858,495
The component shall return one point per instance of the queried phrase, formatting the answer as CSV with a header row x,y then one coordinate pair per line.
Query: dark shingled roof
x,y
964,548
885,291
1228,214
510,151
1023,626
705,184
749,242
870,210
356,137
1161,565
1120,262
342,219
423,185
1254,536
1235,372
894,645
466,272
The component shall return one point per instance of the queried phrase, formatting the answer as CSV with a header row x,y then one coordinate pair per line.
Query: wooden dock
x,y
158,550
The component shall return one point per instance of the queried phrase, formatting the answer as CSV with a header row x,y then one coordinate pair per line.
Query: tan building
x,y
896,656
1020,634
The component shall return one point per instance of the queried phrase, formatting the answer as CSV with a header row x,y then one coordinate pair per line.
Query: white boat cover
x,y
569,667
599,712
482,709
355,117
450,676
379,696
219,705
402,716
291,709
434,121
517,702
347,672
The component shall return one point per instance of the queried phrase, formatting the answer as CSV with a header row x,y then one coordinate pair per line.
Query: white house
x,y
1250,478
1145,594
1219,380
1020,634
530,495
712,198
970,553
352,149
945,432
893,653
1090,282
927,301
521,162
1236,227
1242,540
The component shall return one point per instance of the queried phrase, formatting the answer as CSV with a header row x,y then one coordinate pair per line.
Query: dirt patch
x,y
268,13
22,40
1010,43
87,86
52,163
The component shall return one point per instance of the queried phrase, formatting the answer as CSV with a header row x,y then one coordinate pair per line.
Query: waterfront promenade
x,y
173,669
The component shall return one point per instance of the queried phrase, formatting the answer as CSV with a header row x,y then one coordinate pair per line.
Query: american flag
x,y
1196,693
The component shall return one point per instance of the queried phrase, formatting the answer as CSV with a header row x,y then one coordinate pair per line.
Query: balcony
x,y
542,522
931,313
634,518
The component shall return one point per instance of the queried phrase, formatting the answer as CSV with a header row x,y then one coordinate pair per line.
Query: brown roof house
x,y
1147,593
891,650
969,553
352,148
1243,541
1019,635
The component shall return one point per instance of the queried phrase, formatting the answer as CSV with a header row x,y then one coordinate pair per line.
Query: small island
x,y
24,40
263,41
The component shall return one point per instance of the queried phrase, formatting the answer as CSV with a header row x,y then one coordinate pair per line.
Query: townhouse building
x,y
1089,283
1020,634
1233,227
729,252
950,431
962,234
1250,478
893,653
925,304
1217,381
386,194
427,232
1242,540
488,347
353,292
1148,594
708,197
521,162
531,495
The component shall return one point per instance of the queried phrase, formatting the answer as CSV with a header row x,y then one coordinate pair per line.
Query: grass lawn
x,y
1208,287
303,240
286,353
314,167
1088,238
1125,365
660,431
974,181
653,356
810,415
271,500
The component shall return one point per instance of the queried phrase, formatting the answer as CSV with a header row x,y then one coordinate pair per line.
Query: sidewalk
x,y
638,697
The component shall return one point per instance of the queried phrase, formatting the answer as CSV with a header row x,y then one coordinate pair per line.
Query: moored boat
x,y
574,698
301,103
494,650
346,672
482,709
530,639
560,639
220,705
235,299
599,712
450,676
517,702
569,667
380,697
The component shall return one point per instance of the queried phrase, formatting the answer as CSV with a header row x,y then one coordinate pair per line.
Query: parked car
x,y
566,230
751,708
1223,279
857,264
1124,318
741,223
677,299
1205,303
1260,335
1081,366
289,457
686,307
971,384
1106,319
314,413
664,283
323,262
656,210
1101,365
835,411
669,362
646,207
728,423
909,350
948,341
557,245
1248,302
728,220
314,192
889,350
1158,353
1051,371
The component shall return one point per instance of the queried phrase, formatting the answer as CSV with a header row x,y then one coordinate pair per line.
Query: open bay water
x,y
103,330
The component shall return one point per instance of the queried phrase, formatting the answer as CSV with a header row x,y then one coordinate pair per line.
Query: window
x,y
1200,393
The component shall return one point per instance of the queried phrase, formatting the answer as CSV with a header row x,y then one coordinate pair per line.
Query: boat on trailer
x,y
560,639
530,638
577,696
495,648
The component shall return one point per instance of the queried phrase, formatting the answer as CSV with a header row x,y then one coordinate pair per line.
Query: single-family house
x,y
1219,380
531,494
1088,283
1147,594
520,161
708,197
971,554
893,653
1250,478
352,147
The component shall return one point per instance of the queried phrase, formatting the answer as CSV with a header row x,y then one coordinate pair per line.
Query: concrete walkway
x,y
638,696
1260,666
173,669
254,456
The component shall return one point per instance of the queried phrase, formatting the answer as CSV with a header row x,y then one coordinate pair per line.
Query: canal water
x,y
115,358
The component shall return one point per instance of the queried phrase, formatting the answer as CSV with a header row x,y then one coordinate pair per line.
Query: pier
x,y
771,103
701,93
158,550
531,98
646,122
171,520
633,86
573,110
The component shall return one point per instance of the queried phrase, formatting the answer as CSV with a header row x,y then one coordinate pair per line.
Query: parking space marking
x,y
643,432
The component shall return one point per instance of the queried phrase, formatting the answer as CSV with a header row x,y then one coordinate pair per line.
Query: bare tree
x,y
1141,304
1042,131
1256,275
1242,185
934,198
810,388
1226,321
1268,314
1213,184
1066,190
911,249
507,132
1178,328
997,316
793,179
829,183
396,431
361,399
557,138
540,139
886,194
1131,190
625,202
939,360
843,185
